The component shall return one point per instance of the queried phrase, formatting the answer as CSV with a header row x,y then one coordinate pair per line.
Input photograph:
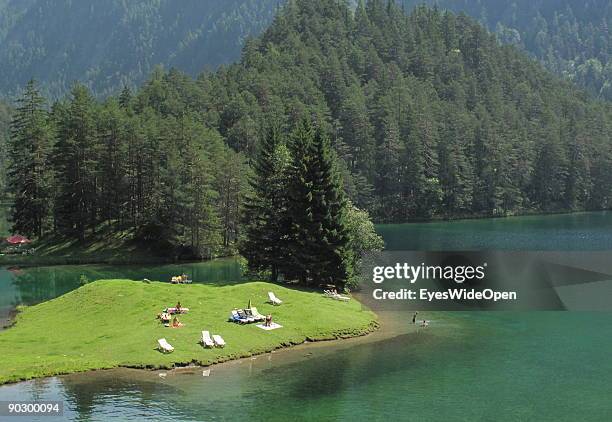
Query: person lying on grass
x,y
164,317
176,323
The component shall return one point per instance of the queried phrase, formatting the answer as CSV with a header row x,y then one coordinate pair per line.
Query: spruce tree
x,y
333,254
319,240
29,178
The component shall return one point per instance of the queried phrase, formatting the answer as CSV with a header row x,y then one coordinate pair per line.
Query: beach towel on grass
x,y
273,326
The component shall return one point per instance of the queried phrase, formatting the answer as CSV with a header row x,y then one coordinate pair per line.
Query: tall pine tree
x,y
75,159
266,231
29,178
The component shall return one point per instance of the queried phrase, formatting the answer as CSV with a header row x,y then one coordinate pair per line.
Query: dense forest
x,y
427,115
106,44
5,118
571,38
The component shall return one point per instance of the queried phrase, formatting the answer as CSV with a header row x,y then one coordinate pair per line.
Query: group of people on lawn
x,y
166,316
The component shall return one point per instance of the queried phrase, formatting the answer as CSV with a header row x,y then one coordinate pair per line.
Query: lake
x,y
473,366
572,232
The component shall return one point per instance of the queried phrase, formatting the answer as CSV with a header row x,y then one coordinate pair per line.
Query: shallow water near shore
x,y
465,366
476,366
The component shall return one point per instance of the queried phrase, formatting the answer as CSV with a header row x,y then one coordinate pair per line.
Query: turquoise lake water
x,y
569,232
471,366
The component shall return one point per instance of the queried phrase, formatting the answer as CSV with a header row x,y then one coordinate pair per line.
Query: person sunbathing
x,y
176,323
268,320
178,307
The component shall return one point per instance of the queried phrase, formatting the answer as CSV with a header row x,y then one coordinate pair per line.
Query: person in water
x,y
424,323
414,317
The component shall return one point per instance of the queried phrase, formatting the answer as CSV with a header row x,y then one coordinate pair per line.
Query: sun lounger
x,y
234,317
243,315
164,346
251,314
206,340
273,299
256,314
219,342
335,296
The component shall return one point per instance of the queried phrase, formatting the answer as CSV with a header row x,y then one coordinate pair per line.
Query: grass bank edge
x,y
82,330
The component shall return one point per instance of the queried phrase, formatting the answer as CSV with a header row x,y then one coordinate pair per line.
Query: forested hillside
x,y
108,43
572,38
428,116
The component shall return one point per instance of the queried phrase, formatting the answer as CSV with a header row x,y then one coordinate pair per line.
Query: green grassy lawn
x,y
112,323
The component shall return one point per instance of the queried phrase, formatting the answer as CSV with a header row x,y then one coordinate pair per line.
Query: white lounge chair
x,y
219,342
273,299
206,340
342,298
164,346
256,314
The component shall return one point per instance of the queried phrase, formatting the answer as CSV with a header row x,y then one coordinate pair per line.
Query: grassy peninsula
x,y
112,323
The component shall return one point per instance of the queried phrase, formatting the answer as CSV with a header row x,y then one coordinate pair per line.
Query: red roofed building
x,y
17,239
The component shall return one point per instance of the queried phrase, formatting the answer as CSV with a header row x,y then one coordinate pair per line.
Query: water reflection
x,y
467,366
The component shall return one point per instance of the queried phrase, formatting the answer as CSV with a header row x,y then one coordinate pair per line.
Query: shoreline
x,y
490,217
336,321
28,261
118,256
387,328
184,366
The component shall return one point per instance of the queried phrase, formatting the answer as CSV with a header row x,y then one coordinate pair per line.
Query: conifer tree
x,y
266,233
319,241
334,256
75,162
29,176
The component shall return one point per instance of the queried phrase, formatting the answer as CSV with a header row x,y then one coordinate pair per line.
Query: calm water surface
x,y
580,231
479,366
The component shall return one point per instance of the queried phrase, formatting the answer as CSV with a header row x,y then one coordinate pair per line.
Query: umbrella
x,y
17,239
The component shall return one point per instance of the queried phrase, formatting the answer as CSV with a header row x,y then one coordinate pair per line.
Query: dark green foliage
x,y
75,163
29,176
265,213
428,114
570,38
319,241
5,121
422,115
141,164
107,44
